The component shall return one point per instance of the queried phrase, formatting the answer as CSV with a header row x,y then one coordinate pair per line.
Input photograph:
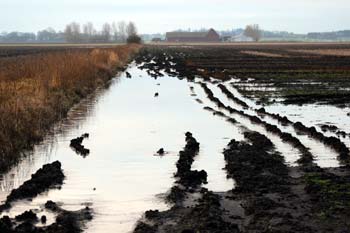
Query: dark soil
x,y
66,221
206,215
298,77
50,175
76,144
187,179
269,196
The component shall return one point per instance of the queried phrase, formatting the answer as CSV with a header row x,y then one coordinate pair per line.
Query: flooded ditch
x,y
122,177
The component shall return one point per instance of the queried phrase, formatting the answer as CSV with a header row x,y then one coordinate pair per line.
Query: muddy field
x,y
243,138
270,194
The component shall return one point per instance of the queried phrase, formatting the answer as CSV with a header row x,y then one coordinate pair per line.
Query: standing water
x,y
121,177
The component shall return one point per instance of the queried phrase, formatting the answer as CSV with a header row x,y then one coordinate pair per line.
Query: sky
x,y
153,16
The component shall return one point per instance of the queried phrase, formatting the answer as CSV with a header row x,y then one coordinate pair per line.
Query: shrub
x,y
134,39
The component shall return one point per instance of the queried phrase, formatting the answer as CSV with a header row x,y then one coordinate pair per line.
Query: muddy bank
x,y
49,176
281,199
65,222
195,209
269,197
187,179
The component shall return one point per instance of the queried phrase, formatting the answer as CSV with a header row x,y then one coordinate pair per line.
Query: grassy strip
x,y
38,90
330,192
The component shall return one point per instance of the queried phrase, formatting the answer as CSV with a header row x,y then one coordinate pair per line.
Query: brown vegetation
x,y
330,52
263,54
38,89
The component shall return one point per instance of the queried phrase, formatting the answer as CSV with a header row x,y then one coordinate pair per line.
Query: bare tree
x,y
122,31
253,31
131,29
72,33
132,34
106,32
48,34
88,29
115,32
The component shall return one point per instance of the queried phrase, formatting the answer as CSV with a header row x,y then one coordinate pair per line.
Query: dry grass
x,y
330,52
263,54
37,90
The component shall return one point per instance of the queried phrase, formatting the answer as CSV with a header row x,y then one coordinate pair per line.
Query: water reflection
x,y
121,178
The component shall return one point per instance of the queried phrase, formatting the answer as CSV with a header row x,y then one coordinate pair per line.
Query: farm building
x,y
205,36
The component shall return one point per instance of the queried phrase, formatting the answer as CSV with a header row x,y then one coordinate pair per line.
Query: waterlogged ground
x,y
122,177
127,125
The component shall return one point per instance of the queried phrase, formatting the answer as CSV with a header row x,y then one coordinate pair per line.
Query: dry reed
x,y
37,90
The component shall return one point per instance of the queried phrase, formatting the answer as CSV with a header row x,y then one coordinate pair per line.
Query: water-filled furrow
x,y
325,155
291,154
331,139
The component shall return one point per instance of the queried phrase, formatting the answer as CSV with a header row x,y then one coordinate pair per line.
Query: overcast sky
x,y
161,15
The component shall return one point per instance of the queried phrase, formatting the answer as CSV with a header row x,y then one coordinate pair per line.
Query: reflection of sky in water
x,y
127,124
310,115
314,115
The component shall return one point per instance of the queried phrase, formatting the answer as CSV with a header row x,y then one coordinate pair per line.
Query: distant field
x,y
298,72
248,43
10,50
56,45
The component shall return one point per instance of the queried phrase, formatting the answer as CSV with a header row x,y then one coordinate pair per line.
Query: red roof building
x,y
205,36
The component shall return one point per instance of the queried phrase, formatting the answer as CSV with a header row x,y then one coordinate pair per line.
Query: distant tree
x,y
89,32
253,31
132,34
122,31
17,37
72,33
48,34
134,39
131,29
114,31
106,32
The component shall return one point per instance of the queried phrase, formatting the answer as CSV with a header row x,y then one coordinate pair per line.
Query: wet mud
x,y
49,176
269,196
76,145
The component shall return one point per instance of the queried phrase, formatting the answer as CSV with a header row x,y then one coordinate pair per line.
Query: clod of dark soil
x,y
76,144
161,151
258,140
186,178
128,75
27,216
145,228
206,216
46,177
66,221
253,167
232,97
43,219
331,128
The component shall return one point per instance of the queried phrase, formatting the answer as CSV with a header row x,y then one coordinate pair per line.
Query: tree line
x,y
120,32
114,32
